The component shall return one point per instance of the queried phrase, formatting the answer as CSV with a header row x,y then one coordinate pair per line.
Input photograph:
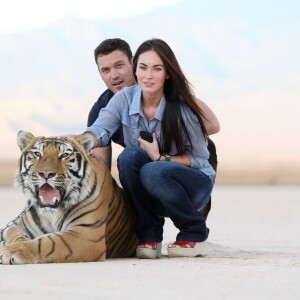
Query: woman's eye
x,y
37,154
64,155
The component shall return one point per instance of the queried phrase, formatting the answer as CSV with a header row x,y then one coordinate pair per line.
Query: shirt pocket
x,y
131,132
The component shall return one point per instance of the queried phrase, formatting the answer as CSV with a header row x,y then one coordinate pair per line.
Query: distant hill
x,y
243,65
245,176
49,78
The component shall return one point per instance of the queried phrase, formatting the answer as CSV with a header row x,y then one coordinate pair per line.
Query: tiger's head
x,y
53,172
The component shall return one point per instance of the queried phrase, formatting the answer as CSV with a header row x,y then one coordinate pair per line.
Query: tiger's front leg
x,y
11,235
19,253
53,248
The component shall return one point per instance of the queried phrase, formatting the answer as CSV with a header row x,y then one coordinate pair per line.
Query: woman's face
x,y
151,73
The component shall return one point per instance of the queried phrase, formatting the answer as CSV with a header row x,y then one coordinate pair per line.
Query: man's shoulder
x,y
100,103
105,97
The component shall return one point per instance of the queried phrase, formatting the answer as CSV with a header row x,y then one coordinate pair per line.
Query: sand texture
x,y
254,253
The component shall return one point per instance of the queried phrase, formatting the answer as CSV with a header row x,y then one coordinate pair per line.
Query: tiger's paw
x,y
17,254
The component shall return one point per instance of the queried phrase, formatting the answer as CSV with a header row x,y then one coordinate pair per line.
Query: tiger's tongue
x,y
49,195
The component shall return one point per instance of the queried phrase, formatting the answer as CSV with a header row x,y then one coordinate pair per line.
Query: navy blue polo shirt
x,y
102,101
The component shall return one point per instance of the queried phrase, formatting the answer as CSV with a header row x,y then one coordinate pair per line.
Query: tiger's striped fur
x,y
76,211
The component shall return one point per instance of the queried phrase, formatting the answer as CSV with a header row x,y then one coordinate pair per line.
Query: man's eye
x,y
36,154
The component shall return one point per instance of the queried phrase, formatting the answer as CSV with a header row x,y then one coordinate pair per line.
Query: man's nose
x,y
114,73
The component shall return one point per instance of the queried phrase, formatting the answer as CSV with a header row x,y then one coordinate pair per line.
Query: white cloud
x,y
19,15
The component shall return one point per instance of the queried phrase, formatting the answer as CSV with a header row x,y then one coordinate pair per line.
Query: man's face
x,y
115,70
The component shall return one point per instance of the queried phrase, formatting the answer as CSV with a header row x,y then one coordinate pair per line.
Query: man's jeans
x,y
164,189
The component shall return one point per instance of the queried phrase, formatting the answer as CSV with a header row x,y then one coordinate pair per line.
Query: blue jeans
x,y
164,189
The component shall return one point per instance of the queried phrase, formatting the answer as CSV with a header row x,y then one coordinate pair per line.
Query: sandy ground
x,y
254,253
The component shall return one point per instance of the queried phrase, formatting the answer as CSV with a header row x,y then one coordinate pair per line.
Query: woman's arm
x,y
211,122
183,159
108,121
152,150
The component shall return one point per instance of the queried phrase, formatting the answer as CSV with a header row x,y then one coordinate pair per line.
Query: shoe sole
x,y
148,252
200,249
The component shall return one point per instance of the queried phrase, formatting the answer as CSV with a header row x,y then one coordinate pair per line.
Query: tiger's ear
x,y
86,140
24,138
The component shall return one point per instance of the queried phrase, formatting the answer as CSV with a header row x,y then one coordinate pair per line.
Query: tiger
x,y
76,211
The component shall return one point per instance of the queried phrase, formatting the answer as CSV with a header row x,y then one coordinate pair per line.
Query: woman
x,y
170,176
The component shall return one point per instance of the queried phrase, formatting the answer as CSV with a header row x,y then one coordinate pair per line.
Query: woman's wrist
x,y
167,157
163,157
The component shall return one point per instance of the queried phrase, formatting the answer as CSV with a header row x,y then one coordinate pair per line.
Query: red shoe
x,y
149,249
187,249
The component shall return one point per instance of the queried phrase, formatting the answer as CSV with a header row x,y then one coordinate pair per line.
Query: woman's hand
x,y
152,149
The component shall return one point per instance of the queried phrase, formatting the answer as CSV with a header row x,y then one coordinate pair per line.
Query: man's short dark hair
x,y
110,45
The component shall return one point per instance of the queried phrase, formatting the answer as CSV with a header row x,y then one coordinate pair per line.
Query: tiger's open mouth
x,y
49,196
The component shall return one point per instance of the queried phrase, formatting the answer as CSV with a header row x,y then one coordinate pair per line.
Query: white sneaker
x,y
149,249
187,249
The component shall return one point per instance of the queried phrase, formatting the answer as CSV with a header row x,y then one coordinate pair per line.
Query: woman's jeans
x,y
164,189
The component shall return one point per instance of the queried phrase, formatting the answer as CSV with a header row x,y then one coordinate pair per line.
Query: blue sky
x,y
241,56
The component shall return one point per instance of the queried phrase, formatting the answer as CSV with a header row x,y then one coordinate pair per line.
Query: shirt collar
x,y
136,106
161,108
136,102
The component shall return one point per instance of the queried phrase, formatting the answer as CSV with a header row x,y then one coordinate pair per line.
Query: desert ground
x,y
254,253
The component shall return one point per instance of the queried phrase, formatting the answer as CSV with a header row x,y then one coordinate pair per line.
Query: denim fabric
x,y
125,110
102,101
165,189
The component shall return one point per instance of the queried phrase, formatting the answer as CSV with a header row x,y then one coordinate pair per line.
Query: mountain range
x,y
239,59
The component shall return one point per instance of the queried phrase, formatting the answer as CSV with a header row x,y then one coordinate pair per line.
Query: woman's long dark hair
x,y
177,89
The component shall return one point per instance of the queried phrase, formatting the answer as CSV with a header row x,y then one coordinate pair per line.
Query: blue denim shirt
x,y
102,101
125,109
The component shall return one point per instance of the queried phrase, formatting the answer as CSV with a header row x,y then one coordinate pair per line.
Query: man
x,y
114,61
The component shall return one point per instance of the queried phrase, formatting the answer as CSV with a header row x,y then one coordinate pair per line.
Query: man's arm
x,y
211,122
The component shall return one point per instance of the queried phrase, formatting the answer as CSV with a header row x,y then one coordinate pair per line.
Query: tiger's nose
x,y
46,174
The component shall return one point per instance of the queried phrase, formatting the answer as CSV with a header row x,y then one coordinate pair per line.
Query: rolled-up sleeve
x,y
109,120
198,153
197,156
